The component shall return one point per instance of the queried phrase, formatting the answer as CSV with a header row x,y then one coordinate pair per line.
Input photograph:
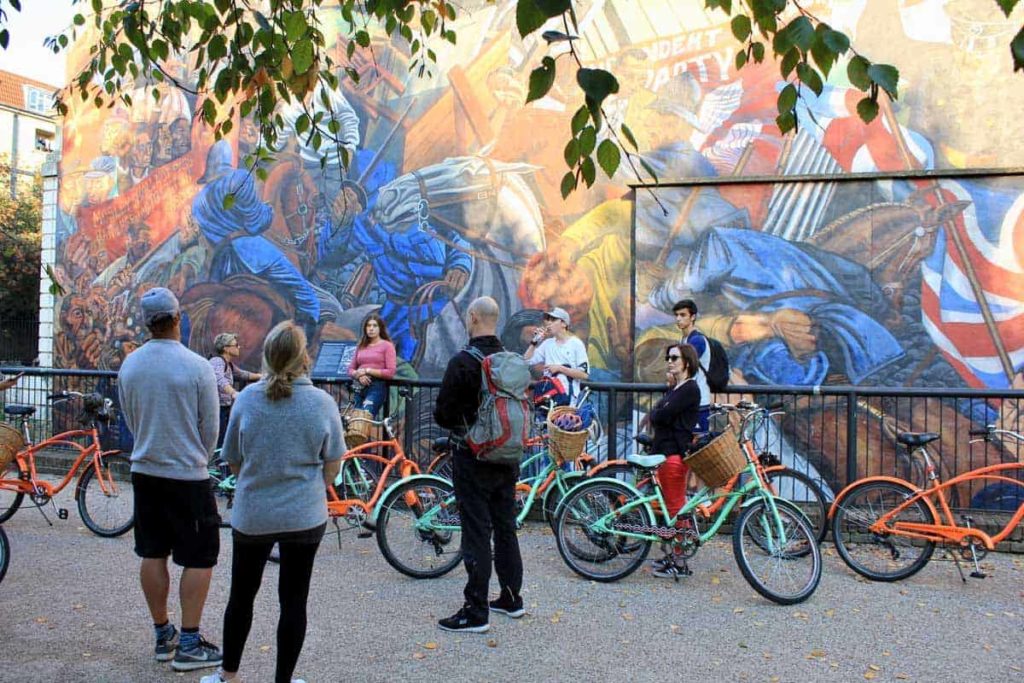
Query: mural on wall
x,y
453,192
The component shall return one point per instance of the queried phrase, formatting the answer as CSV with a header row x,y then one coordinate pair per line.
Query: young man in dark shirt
x,y
485,491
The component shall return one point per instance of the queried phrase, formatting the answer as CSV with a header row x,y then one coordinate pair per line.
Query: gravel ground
x,y
73,611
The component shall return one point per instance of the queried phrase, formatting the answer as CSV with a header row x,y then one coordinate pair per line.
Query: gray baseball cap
x,y
158,302
559,314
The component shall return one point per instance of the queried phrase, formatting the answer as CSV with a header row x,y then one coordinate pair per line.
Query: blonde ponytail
x,y
284,359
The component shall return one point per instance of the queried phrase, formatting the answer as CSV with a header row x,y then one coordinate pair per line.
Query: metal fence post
x,y
610,426
851,437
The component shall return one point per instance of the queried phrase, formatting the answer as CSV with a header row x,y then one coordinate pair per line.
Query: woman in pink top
x,y
373,363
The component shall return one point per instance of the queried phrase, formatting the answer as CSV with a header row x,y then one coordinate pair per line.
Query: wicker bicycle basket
x,y
11,441
719,461
564,446
358,426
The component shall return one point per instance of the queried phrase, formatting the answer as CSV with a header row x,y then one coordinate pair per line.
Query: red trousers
x,y
672,475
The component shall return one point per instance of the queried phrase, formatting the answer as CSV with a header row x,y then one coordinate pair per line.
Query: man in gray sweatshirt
x,y
169,400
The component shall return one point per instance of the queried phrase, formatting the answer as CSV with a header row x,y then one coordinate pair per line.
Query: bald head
x,y
482,317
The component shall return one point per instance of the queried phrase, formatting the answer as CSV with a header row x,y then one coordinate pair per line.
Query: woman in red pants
x,y
674,417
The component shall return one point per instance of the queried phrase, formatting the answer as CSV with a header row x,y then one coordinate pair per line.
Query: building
x,y
28,124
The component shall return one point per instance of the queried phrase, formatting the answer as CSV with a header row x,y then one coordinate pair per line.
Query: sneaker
x,y
212,678
166,646
462,622
671,570
508,605
202,656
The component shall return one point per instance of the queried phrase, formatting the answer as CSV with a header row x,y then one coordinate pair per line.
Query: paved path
x,y
72,611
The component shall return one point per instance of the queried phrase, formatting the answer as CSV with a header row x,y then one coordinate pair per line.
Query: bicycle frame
x,y
27,462
339,507
945,530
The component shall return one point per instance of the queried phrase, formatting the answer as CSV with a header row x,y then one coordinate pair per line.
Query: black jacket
x,y
674,417
459,397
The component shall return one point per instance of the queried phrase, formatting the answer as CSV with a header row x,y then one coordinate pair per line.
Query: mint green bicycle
x,y
604,528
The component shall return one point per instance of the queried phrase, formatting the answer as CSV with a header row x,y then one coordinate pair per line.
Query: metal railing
x,y
836,434
19,339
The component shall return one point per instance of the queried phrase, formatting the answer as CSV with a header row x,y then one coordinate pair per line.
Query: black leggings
x,y
292,590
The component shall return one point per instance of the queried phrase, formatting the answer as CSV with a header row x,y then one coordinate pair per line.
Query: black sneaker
x,y
461,621
508,605
201,656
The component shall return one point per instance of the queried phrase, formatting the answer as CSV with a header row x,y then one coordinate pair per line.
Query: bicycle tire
x,y
442,466
594,555
810,498
5,553
801,547
117,506
858,509
421,554
554,496
10,501
356,480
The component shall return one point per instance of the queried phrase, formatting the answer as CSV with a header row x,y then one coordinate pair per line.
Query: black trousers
x,y
247,564
486,495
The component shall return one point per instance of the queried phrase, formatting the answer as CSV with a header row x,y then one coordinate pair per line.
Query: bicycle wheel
x,y
357,479
431,549
5,553
442,466
641,480
786,572
555,494
10,498
107,509
600,555
880,556
803,491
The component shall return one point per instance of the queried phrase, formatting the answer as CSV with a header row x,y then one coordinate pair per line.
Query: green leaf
x,y
857,72
589,171
809,77
302,124
554,8
741,27
801,32
79,20
229,200
579,119
568,184
217,48
294,25
529,17
628,134
588,139
5,38
1007,6
302,56
786,122
836,41
787,99
598,84
886,77
650,169
757,52
541,79
867,110
789,62
572,153
609,157
741,59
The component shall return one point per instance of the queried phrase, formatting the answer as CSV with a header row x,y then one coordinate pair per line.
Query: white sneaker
x,y
212,678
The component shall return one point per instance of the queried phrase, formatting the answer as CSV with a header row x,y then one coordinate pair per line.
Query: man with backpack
x,y
713,373
486,464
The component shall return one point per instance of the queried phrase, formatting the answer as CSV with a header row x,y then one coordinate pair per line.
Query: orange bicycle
x,y
886,528
103,489
364,475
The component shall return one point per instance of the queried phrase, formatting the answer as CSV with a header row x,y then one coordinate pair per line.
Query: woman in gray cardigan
x,y
285,442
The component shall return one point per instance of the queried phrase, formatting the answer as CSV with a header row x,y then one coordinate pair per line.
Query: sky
x,y
25,54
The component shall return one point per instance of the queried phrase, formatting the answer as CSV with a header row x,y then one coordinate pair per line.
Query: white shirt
x,y
571,353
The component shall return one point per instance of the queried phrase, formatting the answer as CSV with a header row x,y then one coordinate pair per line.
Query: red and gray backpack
x,y
503,419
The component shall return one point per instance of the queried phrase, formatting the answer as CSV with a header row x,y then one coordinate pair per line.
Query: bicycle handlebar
x,y
979,432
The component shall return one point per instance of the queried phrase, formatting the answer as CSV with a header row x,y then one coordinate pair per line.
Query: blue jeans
x,y
371,397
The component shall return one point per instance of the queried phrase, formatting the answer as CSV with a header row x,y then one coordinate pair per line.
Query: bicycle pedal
x,y
364,534
979,575
62,513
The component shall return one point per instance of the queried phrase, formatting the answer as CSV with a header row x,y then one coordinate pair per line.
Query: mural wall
x,y
453,193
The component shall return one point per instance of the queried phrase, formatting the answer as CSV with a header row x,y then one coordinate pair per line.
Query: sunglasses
x,y
672,357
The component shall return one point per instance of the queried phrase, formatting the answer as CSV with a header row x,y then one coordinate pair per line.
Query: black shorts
x,y
177,518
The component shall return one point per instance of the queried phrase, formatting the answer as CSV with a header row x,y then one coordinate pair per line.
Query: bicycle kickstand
x,y
977,573
956,561
337,530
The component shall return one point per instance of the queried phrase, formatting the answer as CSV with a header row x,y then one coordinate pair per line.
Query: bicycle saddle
x,y
648,462
915,439
440,445
19,410
644,441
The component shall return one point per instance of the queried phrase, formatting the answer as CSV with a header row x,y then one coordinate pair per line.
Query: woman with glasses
x,y
673,418
227,351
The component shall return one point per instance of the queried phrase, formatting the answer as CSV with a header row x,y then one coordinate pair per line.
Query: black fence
x,y
835,434
18,340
